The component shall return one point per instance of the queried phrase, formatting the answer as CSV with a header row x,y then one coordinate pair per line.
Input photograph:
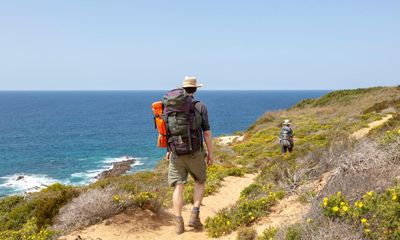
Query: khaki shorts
x,y
193,164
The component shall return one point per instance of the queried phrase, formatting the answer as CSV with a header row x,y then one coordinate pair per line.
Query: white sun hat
x,y
286,122
191,82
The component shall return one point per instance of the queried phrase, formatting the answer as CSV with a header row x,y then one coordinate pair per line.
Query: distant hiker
x,y
286,137
187,122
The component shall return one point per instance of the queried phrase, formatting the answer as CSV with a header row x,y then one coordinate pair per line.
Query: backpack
x,y
182,121
286,134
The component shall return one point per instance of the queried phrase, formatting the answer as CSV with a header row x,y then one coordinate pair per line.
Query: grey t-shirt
x,y
205,124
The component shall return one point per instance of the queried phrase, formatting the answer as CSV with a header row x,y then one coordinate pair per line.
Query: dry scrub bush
x,y
90,207
319,229
367,166
290,179
323,160
246,233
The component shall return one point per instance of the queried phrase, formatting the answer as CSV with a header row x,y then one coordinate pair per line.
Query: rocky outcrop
x,y
19,178
117,169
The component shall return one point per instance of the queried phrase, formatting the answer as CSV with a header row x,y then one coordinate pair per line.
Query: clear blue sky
x,y
124,45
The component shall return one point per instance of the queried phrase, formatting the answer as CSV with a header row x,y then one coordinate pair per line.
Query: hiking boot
x,y
194,220
179,227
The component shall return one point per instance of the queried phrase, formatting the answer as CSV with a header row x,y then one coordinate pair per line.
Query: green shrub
x,y
29,231
293,233
268,234
244,213
377,214
379,106
305,103
343,96
389,137
17,216
50,200
147,200
236,171
42,206
8,203
335,206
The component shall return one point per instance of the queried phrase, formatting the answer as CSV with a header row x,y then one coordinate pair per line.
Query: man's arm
x,y
208,139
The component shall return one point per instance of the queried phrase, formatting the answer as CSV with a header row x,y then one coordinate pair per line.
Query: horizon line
x,y
148,90
137,90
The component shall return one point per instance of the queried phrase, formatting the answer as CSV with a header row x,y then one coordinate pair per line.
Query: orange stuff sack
x,y
159,124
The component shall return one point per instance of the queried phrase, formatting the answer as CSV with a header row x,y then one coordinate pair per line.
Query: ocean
x,y
72,136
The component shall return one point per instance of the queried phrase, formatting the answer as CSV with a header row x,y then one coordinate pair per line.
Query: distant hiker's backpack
x,y
285,143
159,124
286,134
183,122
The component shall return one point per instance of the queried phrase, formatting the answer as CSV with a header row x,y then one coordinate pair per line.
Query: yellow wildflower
x,y
335,209
116,198
326,199
342,203
370,193
345,208
339,194
309,220
363,220
367,230
394,197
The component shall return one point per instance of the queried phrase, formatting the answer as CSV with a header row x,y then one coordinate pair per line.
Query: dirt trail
x,y
146,226
288,211
364,131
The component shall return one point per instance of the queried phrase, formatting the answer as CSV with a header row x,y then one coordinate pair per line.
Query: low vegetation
x,y
360,199
246,233
321,131
255,201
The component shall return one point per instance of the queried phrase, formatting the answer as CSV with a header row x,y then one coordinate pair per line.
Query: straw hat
x,y
191,82
286,122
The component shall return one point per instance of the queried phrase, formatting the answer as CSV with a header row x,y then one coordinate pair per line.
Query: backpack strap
x,y
200,132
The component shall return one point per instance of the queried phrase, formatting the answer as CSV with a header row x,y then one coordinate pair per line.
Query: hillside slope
x,y
323,145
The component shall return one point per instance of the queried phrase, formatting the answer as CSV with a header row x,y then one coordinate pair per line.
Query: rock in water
x,y
19,178
117,169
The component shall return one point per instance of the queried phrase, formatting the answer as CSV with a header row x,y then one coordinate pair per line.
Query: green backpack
x,y
183,122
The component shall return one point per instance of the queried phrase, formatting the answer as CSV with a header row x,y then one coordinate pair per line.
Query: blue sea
x,y
70,137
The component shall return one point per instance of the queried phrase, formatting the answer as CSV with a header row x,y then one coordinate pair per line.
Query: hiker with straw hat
x,y
286,137
186,153
191,82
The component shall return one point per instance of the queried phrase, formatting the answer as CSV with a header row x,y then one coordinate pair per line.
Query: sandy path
x,y
287,211
364,131
146,226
